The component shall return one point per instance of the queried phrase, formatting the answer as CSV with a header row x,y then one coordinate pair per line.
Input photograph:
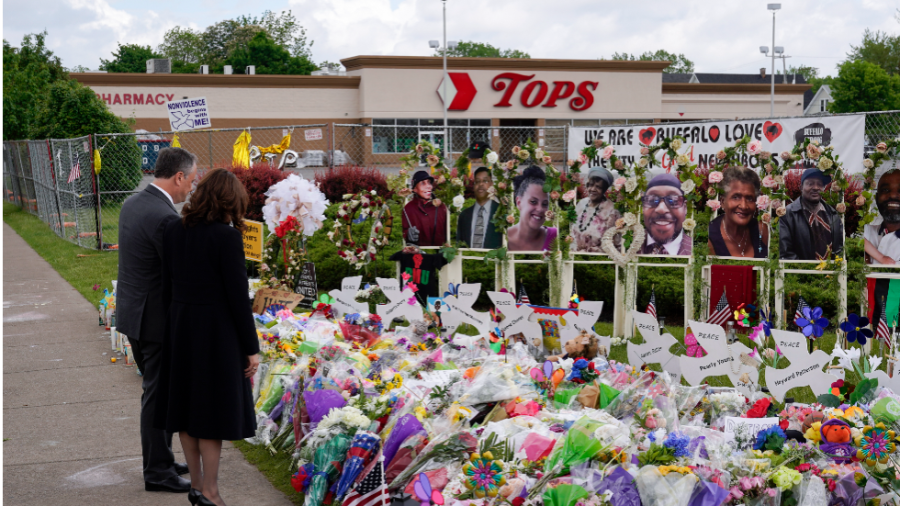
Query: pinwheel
x,y
812,324
856,328
742,318
323,304
425,494
483,475
693,347
542,375
452,290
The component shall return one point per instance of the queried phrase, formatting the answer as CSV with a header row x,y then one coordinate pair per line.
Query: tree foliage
x,y
129,58
864,86
269,58
879,48
28,73
680,63
185,47
482,50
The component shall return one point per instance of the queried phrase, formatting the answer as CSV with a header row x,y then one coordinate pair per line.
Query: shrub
x,y
339,181
257,180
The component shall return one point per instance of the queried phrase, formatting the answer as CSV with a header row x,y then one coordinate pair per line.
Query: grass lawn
x,y
97,267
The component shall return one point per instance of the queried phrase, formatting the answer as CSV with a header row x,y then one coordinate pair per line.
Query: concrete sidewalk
x,y
71,418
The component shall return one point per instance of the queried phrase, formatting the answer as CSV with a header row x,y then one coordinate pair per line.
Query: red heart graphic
x,y
772,130
647,135
714,133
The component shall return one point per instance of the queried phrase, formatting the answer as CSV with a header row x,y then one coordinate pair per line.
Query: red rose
x,y
783,424
759,409
518,501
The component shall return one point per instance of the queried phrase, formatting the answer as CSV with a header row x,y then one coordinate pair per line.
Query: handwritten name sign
x,y
588,313
721,359
345,298
754,425
399,306
516,318
655,349
805,368
460,310
265,297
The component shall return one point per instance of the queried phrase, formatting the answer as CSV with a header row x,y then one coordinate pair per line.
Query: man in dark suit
x,y
811,229
476,227
139,308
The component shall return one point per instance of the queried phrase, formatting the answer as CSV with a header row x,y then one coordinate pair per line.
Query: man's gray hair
x,y
171,161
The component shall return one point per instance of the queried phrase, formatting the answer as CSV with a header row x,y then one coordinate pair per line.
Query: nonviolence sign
x,y
188,114
845,133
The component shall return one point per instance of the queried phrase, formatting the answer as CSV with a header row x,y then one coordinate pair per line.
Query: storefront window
x,y
401,135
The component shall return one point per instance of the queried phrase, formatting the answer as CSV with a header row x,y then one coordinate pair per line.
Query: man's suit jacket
x,y
140,312
492,238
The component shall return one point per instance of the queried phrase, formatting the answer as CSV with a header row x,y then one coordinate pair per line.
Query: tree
x,y
28,73
878,48
129,58
863,86
679,63
185,47
482,50
808,73
269,58
283,30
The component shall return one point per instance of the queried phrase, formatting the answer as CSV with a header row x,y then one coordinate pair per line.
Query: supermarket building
x,y
397,100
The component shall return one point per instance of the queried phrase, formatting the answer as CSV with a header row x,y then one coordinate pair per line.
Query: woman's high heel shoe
x,y
194,495
203,501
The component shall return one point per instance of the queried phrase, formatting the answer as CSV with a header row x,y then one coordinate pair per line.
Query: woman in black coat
x,y
211,347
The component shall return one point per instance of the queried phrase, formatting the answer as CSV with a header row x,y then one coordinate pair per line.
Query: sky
x,y
718,35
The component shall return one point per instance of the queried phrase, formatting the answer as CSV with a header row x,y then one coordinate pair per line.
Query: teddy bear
x,y
836,439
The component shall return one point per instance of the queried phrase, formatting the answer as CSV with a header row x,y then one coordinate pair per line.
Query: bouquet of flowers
x,y
313,478
362,448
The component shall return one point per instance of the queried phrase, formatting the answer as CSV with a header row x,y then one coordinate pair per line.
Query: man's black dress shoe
x,y
181,469
175,484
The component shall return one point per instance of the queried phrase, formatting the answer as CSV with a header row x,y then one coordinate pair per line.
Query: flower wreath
x,y
431,155
357,208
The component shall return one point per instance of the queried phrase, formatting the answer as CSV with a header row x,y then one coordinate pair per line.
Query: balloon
x,y
558,376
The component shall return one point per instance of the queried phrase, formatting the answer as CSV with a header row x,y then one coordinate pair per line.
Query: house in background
x,y
817,103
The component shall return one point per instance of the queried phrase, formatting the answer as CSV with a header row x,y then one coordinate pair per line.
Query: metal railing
x,y
85,210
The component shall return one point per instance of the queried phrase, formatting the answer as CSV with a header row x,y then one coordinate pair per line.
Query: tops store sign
x,y
521,88
845,133
188,114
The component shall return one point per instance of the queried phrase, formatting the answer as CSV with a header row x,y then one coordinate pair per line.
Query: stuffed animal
x,y
585,346
836,441
815,416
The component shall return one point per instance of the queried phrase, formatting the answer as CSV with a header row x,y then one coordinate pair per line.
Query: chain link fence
x,y
381,145
85,209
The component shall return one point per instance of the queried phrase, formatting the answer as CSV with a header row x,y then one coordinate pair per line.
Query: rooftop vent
x,y
159,66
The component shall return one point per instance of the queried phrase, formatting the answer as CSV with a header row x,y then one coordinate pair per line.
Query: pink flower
x,y
715,177
569,196
570,163
762,202
619,182
547,159
645,151
515,150
746,483
650,422
881,147
509,165
607,152
714,204
405,277
736,492
582,159
769,182
721,154
786,155
755,147
771,492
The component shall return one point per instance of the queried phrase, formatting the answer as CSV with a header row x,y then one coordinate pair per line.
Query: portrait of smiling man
x,y
881,240
664,211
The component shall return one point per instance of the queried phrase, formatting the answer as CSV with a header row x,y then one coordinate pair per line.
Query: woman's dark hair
x,y
220,197
742,174
531,175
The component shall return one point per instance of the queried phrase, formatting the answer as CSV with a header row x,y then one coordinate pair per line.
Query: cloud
x,y
717,36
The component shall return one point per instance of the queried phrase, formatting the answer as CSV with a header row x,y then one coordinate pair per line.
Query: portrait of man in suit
x,y
664,211
475,227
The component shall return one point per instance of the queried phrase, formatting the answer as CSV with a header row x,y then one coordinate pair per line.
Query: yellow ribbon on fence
x,y
277,149
175,142
242,151
96,161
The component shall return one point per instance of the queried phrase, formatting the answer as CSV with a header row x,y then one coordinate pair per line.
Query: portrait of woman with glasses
x,y
736,232
664,212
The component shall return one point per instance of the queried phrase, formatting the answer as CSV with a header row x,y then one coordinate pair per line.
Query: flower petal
x,y
853,318
802,322
863,322
816,313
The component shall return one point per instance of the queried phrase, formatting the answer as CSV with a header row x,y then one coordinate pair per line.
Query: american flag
x,y
800,305
722,312
523,297
651,306
882,331
76,171
370,489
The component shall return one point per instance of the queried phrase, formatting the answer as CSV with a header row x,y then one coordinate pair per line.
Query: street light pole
x,y
444,2
774,8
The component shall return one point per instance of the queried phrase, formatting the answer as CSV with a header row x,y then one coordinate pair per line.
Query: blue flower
x,y
679,443
580,364
812,323
856,330
765,434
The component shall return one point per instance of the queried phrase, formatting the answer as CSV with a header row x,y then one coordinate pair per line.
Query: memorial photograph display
x,y
475,227
595,213
736,232
882,242
664,212
530,232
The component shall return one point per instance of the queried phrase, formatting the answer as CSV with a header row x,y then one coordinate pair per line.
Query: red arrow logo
x,y
460,90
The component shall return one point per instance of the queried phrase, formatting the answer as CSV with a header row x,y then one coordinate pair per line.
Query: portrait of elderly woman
x,y
530,234
595,213
737,232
